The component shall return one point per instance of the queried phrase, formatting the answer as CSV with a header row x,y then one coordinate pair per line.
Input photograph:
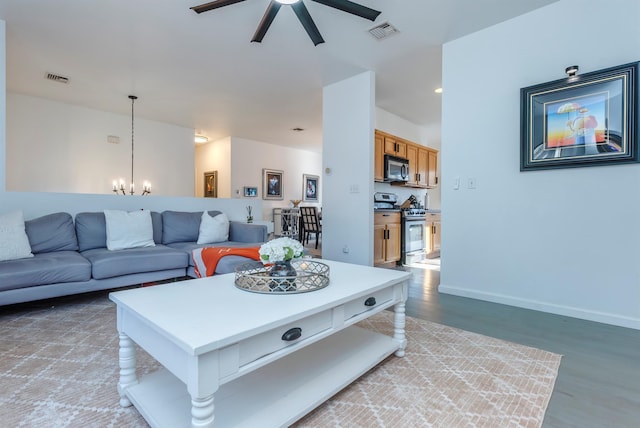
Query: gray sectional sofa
x,y
71,257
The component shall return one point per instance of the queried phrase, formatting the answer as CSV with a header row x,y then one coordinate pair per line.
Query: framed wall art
x,y
250,192
310,187
211,184
585,120
272,184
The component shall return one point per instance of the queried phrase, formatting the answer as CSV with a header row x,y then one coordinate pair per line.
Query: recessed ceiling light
x,y
287,1
438,91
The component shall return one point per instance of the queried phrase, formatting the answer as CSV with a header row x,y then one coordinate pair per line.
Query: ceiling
x,y
202,72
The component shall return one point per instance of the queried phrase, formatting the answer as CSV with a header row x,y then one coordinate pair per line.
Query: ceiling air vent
x,y
383,31
56,78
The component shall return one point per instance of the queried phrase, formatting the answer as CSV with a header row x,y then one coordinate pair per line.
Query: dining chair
x,y
310,224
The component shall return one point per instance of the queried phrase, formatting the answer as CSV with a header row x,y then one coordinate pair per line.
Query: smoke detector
x,y
382,31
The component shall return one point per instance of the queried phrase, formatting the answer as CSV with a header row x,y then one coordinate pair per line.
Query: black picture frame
x,y
272,184
310,187
250,192
585,120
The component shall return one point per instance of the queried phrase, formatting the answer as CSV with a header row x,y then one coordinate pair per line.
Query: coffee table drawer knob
x,y
371,301
292,334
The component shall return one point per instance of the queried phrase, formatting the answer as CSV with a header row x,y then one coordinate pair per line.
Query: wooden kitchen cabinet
x,y
395,146
378,166
432,237
432,169
412,157
423,161
386,238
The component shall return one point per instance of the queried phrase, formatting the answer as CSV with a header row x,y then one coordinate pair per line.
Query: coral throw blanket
x,y
206,259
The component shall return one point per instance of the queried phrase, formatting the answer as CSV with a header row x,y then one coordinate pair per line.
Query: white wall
x,y
214,156
564,241
58,147
3,104
395,125
348,119
249,157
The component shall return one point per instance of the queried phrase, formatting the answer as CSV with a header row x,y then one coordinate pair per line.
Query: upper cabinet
x,y
423,161
394,146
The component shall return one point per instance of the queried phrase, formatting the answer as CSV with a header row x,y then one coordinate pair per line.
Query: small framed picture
x,y
584,120
250,192
272,184
311,187
211,184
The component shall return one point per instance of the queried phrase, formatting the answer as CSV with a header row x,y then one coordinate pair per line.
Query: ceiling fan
x,y
301,12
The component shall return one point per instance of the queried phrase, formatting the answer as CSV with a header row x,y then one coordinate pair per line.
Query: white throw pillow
x,y
128,229
14,242
213,229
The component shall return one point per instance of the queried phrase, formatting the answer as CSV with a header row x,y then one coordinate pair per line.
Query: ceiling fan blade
x,y
307,22
213,5
267,19
352,8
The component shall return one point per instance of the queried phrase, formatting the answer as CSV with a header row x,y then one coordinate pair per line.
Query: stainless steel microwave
x,y
395,169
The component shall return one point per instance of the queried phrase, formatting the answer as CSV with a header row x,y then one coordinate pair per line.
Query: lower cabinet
x,y
386,238
432,237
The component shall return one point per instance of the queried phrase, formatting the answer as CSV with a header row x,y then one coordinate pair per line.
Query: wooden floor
x,y
598,383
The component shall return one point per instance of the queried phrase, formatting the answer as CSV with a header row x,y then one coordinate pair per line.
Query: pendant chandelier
x,y
121,186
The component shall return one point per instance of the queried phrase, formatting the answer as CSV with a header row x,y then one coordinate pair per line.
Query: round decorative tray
x,y
257,278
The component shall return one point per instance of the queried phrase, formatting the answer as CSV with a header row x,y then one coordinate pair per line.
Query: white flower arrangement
x,y
281,249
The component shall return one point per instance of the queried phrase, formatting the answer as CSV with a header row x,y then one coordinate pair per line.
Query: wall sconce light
x,y
572,70
200,139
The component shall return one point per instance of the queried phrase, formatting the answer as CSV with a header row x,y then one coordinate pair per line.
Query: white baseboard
x,y
602,317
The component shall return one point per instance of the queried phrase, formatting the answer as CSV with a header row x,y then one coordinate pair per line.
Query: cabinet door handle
x,y
292,334
371,301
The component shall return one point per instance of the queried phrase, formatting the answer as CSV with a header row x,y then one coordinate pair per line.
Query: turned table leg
x,y
127,358
202,412
398,327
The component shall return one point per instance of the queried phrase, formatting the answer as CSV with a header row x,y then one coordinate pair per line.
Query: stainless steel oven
x,y
414,233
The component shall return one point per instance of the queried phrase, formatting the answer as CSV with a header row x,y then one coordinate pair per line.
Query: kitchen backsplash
x,y
404,193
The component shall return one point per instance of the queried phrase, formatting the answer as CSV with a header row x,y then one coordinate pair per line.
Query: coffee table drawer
x,y
271,341
368,302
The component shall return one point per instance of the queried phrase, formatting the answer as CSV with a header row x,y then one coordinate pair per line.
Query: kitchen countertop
x,y
386,210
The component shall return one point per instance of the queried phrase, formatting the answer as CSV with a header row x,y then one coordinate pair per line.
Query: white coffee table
x,y
215,340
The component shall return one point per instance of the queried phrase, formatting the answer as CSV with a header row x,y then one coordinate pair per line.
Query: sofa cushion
x,y
44,268
53,232
128,229
181,226
14,242
213,229
108,264
91,229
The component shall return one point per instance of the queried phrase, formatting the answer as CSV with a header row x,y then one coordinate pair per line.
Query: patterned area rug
x,y
59,368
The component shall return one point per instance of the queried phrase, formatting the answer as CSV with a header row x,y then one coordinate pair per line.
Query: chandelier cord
x,y
133,98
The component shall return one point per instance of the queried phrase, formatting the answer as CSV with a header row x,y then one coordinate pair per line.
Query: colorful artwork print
x,y
580,121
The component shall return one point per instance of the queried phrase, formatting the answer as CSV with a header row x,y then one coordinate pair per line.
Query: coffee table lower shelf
x,y
277,394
